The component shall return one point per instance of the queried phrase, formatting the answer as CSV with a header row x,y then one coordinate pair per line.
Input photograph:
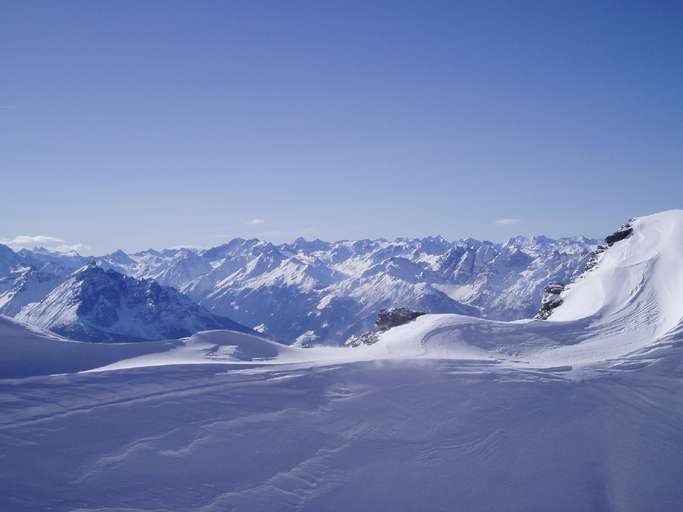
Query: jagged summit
x,y
97,304
332,290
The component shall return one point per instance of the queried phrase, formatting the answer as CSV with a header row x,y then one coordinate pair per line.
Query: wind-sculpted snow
x,y
583,411
28,351
639,278
402,435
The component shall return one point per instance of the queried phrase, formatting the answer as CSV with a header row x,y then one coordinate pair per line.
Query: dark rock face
x,y
393,317
386,319
594,258
620,234
551,299
623,232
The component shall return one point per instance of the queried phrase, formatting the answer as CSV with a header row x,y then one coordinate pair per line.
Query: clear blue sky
x,y
152,124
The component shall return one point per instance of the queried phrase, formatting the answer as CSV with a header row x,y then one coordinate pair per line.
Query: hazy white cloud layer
x,y
506,222
32,240
78,247
49,242
256,222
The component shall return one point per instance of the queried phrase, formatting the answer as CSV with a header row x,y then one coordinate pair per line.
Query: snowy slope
x,y
627,304
27,351
44,259
583,411
401,436
640,277
102,305
25,285
406,434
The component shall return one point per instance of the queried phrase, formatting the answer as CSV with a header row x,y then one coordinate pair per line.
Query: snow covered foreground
x,y
580,412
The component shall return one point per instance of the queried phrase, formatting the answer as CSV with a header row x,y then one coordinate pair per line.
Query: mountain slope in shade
x,y
102,305
9,260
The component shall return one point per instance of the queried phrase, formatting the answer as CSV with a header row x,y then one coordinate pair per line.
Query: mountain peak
x,y
95,304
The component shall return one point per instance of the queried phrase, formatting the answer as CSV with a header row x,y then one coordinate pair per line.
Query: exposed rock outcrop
x,y
386,319
393,317
623,232
594,258
551,299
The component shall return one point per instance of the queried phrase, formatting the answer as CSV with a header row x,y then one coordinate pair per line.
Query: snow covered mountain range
x,y
316,291
94,304
582,410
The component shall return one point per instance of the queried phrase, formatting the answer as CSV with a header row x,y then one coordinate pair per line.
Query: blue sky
x,y
154,124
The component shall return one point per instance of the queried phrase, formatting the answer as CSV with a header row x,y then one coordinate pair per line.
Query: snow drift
x,y
26,350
